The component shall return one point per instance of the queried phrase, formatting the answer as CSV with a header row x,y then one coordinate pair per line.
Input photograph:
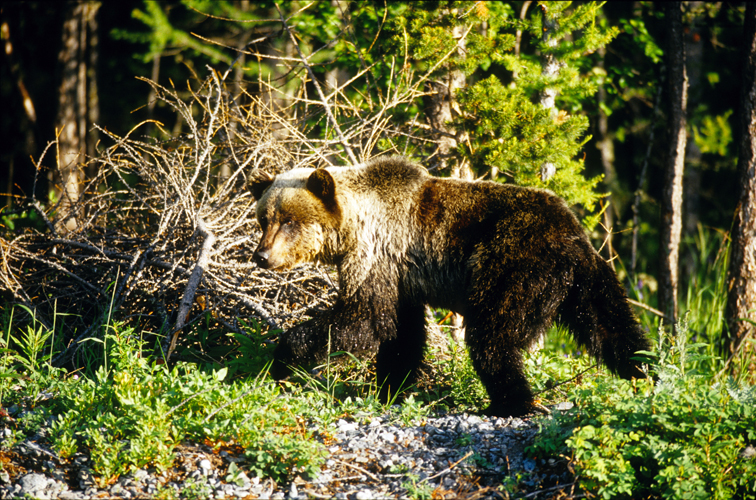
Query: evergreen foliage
x,y
507,129
498,113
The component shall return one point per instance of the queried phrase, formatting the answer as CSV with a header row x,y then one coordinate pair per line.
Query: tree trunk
x,y
76,94
605,145
550,68
741,298
440,108
671,203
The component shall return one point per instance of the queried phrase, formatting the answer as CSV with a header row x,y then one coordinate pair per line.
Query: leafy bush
x,y
684,437
131,411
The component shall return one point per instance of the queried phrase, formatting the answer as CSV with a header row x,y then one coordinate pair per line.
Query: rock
x,y
370,458
140,475
33,484
345,426
205,466
70,495
293,493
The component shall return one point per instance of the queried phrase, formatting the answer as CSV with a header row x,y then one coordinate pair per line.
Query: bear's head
x,y
297,211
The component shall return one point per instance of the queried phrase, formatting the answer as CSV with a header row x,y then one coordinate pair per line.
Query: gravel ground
x,y
441,457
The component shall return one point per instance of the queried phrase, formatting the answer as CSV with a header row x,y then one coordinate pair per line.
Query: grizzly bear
x,y
509,259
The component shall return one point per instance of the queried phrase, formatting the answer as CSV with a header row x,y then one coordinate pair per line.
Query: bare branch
x,y
194,281
324,101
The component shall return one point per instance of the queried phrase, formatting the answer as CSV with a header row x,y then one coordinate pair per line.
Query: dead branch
x,y
326,106
194,280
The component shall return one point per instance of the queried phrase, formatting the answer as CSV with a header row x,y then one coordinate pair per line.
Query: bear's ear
x,y
321,184
261,180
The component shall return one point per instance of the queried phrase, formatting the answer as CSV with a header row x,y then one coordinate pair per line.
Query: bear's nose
x,y
261,258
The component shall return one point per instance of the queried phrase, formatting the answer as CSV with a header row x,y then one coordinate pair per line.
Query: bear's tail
x,y
598,314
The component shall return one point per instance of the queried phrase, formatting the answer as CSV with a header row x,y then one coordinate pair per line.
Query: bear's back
x,y
389,175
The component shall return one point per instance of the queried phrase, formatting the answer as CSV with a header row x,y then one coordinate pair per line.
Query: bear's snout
x,y
262,257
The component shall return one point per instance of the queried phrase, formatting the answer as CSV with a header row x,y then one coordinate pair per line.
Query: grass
x,y
682,437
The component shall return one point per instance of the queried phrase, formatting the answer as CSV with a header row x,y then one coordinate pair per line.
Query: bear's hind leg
x,y
399,357
502,374
512,304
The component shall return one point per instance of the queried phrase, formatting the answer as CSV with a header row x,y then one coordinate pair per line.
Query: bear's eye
x,y
287,222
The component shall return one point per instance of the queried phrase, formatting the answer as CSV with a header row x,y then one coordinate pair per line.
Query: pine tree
x,y
500,112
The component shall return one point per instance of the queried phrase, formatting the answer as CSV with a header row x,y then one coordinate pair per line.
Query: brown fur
x,y
511,260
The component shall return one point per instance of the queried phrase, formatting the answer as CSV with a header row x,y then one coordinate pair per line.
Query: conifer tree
x,y
501,114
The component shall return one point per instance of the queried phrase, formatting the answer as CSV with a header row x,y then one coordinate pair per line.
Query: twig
x,y
41,212
567,381
55,265
448,469
647,308
323,100
360,469
193,283
34,446
315,495
553,488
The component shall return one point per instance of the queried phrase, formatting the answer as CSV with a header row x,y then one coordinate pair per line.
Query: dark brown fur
x,y
511,260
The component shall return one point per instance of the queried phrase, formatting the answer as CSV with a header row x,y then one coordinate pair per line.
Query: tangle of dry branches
x,y
161,238
165,230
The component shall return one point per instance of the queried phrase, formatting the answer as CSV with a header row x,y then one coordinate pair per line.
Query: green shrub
x,y
681,437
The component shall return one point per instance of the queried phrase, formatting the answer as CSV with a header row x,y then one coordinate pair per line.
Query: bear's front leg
x,y
399,357
302,344
355,325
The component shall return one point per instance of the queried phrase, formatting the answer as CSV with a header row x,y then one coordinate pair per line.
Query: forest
x,y
127,286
